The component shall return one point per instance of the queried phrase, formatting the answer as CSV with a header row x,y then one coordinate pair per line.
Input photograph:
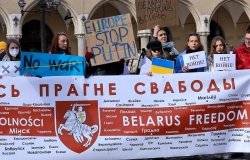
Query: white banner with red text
x,y
124,117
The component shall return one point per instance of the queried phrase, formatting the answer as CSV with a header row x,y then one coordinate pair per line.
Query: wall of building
x,y
231,15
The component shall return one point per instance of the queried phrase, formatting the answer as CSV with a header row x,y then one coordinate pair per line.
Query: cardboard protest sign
x,y
195,60
162,66
40,64
224,62
9,68
110,39
152,12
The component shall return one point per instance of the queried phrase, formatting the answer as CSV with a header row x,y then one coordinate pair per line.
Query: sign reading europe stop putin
x,y
110,39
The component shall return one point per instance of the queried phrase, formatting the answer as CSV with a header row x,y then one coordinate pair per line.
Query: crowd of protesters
x,y
161,47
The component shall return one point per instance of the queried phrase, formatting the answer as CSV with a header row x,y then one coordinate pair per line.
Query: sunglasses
x,y
156,49
61,33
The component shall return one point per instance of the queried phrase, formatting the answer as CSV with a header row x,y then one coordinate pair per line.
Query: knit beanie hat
x,y
154,45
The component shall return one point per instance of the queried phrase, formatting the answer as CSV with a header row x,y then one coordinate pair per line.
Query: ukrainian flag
x,y
162,66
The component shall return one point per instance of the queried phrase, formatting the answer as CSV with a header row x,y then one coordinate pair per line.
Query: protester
x,y
167,45
193,45
243,53
140,60
114,68
60,44
154,49
13,51
3,47
155,31
218,46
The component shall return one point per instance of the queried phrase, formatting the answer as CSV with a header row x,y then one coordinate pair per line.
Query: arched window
x,y
248,28
31,40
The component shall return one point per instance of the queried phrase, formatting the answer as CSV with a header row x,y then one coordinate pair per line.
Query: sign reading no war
x,y
195,60
110,39
224,62
40,64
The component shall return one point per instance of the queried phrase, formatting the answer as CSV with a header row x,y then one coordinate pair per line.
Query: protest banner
x,y
152,12
110,39
162,66
195,60
40,64
224,62
159,116
9,68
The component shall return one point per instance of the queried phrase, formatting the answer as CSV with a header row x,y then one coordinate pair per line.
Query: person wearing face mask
x,y
60,44
13,51
193,45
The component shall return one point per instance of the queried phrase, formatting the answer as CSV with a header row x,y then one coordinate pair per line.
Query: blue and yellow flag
x,y
162,66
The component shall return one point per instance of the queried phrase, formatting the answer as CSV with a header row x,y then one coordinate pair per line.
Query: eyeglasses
x,y
61,33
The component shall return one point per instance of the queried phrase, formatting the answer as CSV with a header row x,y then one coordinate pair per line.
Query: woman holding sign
x,y
60,44
193,45
13,51
154,50
218,46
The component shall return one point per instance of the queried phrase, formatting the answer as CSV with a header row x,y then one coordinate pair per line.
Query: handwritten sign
x,y
195,60
152,12
9,68
40,64
110,39
224,62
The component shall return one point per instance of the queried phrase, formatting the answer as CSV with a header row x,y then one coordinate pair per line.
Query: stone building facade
x,y
228,18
